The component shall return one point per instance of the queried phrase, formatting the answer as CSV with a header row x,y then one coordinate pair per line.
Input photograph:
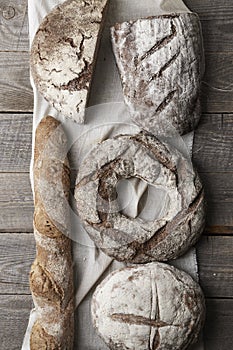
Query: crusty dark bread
x,y
51,277
63,54
160,63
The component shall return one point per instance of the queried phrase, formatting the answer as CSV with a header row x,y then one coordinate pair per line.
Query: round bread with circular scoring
x,y
153,306
133,239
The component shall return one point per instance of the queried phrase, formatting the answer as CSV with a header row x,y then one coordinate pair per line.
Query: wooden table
x,y
213,156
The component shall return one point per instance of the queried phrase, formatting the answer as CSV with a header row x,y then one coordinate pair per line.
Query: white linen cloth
x,y
107,117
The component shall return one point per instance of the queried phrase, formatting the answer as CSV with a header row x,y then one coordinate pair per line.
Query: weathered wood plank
x,y
15,142
16,203
222,228
15,312
211,9
219,217
216,21
217,87
17,252
218,187
218,327
218,35
217,30
218,192
213,144
215,261
15,89
13,25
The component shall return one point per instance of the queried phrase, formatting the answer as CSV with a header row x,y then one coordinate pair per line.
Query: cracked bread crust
x,y
63,54
160,64
51,276
153,306
133,239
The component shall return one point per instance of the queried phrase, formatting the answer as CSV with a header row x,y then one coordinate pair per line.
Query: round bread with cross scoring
x,y
148,307
137,240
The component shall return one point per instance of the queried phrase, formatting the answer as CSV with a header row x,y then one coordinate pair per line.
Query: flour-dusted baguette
x,y
51,277
148,307
160,62
63,54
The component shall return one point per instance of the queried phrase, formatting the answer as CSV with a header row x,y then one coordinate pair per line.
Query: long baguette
x,y
51,277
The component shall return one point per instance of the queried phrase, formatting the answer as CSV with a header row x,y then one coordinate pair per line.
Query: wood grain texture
x,y
218,192
15,142
17,252
14,25
215,261
218,326
15,89
213,144
218,187
216,22
211,9
220,215
15,310
217,86
15,313
218,34
212,152
16,203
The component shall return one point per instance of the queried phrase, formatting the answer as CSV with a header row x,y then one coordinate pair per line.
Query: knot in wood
x,y
8,12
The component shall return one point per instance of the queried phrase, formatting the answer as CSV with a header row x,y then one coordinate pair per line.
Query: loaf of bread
x,y
148,307
160,62
63,54
51,277
137,240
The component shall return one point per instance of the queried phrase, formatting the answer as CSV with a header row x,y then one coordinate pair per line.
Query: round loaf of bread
x,y
153,306
137,240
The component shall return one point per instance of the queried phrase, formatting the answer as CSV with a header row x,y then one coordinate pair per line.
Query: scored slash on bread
x,y
63,54
62,60
160,60
134,240
51,277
